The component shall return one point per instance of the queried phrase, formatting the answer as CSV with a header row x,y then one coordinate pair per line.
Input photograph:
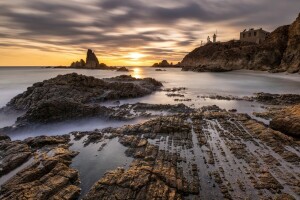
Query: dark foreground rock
x,y
75,96
279,52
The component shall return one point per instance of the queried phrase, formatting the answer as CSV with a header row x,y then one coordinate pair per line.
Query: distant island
x,y
278,52
165,64
92,62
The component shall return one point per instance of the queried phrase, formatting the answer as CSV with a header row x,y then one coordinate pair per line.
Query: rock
x,y
41,141
12,155
49,177
75,96
277,99
163,64
279,52
61,110
160,70
122,69
287,120
91,60
291,56
4,137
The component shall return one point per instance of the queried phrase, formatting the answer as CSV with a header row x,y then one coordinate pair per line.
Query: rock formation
x,y
279,52
122,69
206,153
91,59
91,62
75,96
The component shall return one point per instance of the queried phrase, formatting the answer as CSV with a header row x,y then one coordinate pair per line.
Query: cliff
x,y
279,52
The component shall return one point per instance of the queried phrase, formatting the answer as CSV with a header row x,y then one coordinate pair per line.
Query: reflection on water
x,y
109,158
237,83
136,73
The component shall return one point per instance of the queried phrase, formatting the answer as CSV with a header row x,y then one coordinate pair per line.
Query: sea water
x,y
15,80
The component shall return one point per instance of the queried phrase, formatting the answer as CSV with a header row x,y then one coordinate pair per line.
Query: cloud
x,y
162,27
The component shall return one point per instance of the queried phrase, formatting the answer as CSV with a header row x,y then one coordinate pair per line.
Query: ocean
x,y
15,80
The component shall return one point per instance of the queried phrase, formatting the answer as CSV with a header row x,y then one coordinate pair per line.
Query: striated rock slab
x,y
206,154
48,177
12,154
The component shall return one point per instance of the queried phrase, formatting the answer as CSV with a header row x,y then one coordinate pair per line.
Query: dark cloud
x,y
108,25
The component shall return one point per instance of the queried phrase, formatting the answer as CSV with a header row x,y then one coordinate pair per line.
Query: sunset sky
x,y
126,32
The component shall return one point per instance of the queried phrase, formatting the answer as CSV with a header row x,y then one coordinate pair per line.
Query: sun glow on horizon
x,y
135,55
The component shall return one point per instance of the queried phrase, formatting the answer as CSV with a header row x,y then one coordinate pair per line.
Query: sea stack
x,y
91,59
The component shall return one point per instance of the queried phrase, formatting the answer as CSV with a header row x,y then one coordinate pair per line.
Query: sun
x,y
135,55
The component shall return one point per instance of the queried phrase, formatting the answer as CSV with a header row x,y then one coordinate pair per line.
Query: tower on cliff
x,y
208,39
214,38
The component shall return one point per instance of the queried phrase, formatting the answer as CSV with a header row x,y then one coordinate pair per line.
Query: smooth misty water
x,y
238,83
99,162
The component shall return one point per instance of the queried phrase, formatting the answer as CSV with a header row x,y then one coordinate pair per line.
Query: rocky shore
x,y
199,154
177,152
278,53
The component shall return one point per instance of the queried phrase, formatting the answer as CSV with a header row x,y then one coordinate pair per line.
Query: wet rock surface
x,y
206,153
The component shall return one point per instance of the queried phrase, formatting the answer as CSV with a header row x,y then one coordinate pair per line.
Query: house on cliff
x,y
252,35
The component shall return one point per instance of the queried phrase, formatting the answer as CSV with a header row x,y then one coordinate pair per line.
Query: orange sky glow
x,y
126,33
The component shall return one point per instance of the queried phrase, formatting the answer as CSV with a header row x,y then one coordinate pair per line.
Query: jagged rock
x,y
279,52
92,62
91,59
